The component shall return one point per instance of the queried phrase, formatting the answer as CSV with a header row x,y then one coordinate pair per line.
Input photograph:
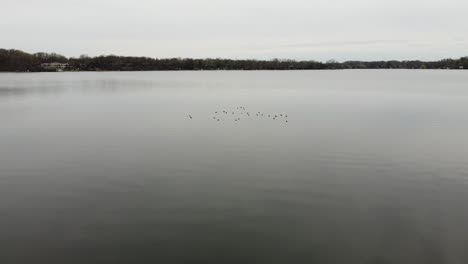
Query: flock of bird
x,y
241,113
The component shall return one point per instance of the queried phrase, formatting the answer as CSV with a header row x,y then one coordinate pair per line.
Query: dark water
x,y
370,168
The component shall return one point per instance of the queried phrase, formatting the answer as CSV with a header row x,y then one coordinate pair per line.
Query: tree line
x,y
19,61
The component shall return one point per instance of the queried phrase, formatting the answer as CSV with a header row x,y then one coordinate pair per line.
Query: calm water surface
x,y
370,168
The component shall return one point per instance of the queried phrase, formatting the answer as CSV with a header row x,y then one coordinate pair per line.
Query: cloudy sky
x,y
263,29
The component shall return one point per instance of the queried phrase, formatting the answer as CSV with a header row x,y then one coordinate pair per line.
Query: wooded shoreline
x,y
19,61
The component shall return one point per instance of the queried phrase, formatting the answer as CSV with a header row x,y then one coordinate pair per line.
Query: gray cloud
x,y
331,44
301,29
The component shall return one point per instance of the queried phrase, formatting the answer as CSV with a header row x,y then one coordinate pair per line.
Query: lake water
x,y
371,167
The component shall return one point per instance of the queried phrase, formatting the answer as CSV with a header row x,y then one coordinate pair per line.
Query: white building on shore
x,y
54,66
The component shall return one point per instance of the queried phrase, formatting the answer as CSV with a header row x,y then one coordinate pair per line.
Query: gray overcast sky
x,y
263,29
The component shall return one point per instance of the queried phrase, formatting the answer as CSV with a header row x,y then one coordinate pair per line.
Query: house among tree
x,y
54,66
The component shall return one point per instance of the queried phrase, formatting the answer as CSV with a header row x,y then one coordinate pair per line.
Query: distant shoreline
x,y
296,70
19,61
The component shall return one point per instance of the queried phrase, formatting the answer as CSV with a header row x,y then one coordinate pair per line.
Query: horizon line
x,y
331,60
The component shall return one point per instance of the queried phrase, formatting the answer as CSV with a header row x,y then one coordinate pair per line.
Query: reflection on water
x,y
110,168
